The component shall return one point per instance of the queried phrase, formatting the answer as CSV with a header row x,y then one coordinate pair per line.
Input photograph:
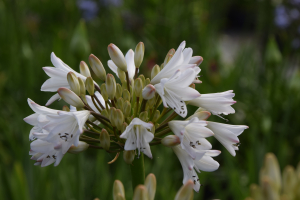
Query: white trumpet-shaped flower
x,y
38,119
138,136
207,163
174,91
216,103
192,134
129,57
182,59
65,128
227,134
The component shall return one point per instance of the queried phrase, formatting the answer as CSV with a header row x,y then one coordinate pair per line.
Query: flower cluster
x,y
124,116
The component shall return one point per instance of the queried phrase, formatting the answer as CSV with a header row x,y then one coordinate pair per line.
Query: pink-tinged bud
x,y
117,57
170,140
84,69
70,97
201,115
172,51
186,191
196,60
140,193
150,184
82,146
148,92
139,54
97,67
118,190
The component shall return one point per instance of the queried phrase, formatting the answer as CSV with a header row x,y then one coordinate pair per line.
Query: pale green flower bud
x,y
82,89
124,125
147,81
117,57
122,75
156,115
271,169
289,181
84,69
167,59
255,192
268,190
70,97
139,54
171,51
104,139
151,102
89,84
126,95
117,197
97,67
148,92
103,92
119,91
142,77
144,116
112,116
155,70
186,191
140,193
105,113
66,108
73,82
170,140
162,66
119,119
118,190
138,87
110,86
82,146
150,184
128,156
127,109
120,103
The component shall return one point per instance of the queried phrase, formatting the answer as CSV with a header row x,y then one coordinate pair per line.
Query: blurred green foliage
x,y
265,79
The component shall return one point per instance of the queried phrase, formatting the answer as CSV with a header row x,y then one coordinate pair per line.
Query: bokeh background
x,y
250,46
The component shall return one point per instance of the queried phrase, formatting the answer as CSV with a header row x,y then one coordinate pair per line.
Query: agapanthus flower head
x,y
122,114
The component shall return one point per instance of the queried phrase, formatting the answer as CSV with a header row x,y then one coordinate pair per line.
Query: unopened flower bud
x,y
142,77
155,70
196,60
120,103
255,192
144,116
147,81
104,140
118,190
271,169
139,54
162,66
123,128
150,184
82,89
112,116
103,92
138,87
117,57
167,59
97,67
140,193
289,181
186,191
170,140
269,192
151,101
105,113
172,51
119,119
84,69
66,108
127,108
110,86
201,115
122,75
118,91
148,92
89,84
128,156
70,97
156,115
73,82
82,146
126,95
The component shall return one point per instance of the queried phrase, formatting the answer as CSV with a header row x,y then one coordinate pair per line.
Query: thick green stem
x,y
137,171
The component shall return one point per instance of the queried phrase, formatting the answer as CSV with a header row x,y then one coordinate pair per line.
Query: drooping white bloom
x,y
38,119
227,134
65,128
129,57
206,163
175,90
192,134
180,60
45,153
138,136
217,103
